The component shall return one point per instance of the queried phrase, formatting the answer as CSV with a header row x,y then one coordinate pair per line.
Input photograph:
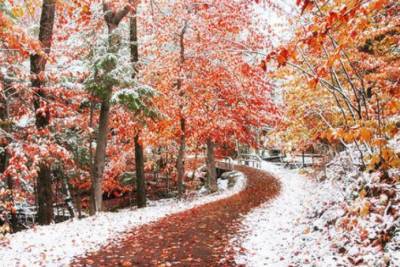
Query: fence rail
x,y
226,164
250,160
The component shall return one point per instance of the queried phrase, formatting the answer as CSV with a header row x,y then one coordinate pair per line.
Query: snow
x,y
222,184
277,232
24,121
131,92
58,244
330,222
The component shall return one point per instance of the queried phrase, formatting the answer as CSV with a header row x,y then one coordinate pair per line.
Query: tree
x,y
349,99
139,154
209,72
112,20
38,65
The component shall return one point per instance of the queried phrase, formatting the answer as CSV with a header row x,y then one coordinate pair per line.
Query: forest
x,y
200,133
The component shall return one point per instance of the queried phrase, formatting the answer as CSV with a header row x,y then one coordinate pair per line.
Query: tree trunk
x,y
211,170
38,65
140,179
45,195
112,19
139,155
100,155
4,157
195,161
92,206
10,186
67,188
78,202
134,43
180,162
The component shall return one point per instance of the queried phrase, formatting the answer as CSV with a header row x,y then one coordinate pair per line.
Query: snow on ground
x,y
348,218
58,244
277,233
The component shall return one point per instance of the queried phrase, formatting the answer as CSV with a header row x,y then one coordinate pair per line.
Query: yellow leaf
x,y
373,162
329,135
365,134
340,133
86,9
333,58
17,11
387,154
313,83
348,137
363,193
364,210
379,142
395,163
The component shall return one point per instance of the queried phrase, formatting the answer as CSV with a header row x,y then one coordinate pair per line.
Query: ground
x,y
274,217
196,237
277,233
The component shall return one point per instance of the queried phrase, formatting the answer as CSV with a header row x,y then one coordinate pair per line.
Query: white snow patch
x,y
58,244
24,121
222,184
275,233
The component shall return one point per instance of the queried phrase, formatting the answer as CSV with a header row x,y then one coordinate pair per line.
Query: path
x,y
197,237
297,228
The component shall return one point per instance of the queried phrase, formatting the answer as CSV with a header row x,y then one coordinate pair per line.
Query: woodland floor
x,y
196,237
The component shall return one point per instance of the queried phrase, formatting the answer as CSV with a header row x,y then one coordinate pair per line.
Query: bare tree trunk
x,y
78,202
195,161
139,155
134,43
10,186
45,195
140,179
100,154
92,205
38,65
180,162
4,157
67,188
112,19
211,170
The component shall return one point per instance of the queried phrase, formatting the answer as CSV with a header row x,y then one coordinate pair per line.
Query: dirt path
x,y
197,237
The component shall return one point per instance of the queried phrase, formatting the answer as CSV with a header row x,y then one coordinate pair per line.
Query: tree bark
x,y
67,188
140,179
180,162
211,170
45,195
139,155
38,65
92,206
100,155
4,158
112,19
134,43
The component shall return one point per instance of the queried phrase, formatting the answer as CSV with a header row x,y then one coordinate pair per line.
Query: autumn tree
x,y
38,65
207,59
352,77
112,19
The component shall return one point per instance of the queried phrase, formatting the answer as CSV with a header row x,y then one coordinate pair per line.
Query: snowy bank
x,y
348,218
278,232
58,244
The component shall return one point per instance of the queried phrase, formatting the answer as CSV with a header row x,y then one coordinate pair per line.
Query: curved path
x,y
196,237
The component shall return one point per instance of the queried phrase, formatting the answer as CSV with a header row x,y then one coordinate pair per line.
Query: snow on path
x,y
275,234
58,244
